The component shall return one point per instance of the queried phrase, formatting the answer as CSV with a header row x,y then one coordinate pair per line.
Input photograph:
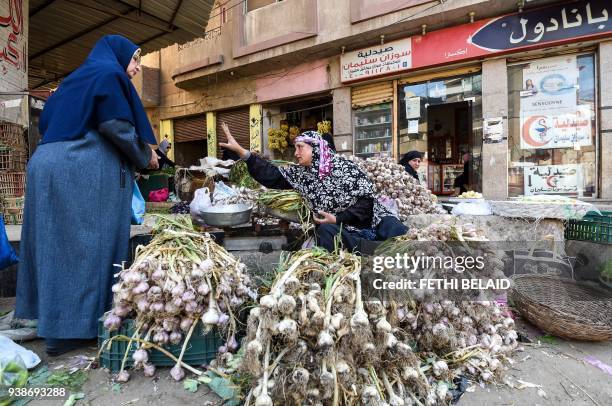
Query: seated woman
x,y
340,194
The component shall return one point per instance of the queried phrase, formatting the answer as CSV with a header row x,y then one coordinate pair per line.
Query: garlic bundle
x,y
391,180
178,280
314,339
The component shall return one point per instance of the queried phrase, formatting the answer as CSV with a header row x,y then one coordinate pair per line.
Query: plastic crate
x,y
592,227
202,348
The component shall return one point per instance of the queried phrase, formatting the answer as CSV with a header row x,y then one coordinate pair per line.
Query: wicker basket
x,y
12,135
516,209
564,307
12,159
12,184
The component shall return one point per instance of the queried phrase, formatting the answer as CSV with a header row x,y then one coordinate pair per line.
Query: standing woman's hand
x,y
154,162
231,143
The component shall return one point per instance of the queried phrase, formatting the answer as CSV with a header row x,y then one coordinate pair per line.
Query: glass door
x,y
442,118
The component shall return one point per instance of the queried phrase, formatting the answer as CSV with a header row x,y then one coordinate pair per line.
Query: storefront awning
x,y
62,32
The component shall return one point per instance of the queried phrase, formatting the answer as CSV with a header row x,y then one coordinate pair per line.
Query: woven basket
x,y
509,208
563,307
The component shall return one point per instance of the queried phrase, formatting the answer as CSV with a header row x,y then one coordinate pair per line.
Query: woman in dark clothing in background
x,y
335,189
411,162
79,194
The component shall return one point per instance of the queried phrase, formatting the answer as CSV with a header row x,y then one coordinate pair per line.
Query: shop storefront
x,y
534,118
441,117
553,143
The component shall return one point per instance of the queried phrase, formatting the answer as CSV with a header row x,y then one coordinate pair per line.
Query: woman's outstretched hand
x,y
231,142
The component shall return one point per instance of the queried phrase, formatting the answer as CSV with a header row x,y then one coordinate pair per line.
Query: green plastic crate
x,y
202,348
592,227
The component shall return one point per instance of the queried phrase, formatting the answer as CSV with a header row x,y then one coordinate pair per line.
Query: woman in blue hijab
x,y
95,132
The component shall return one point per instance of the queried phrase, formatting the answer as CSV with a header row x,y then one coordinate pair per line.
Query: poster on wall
x,y
493,130
549,111
378,60
413,107
553,179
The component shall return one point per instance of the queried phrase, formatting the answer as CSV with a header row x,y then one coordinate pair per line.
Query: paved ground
x,y
558,366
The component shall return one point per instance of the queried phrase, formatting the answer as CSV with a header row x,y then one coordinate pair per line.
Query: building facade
x,y
522,93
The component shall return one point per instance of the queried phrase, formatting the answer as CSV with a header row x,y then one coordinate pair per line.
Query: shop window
x,y
442,118
552,127
255,4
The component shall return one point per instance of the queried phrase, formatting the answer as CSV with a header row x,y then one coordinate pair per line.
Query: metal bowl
x,y
227,215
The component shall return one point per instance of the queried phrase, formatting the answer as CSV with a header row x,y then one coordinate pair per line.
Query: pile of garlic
x,y
179,279
313,339
392,180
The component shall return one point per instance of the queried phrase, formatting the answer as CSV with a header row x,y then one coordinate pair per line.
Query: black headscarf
x,y
409,156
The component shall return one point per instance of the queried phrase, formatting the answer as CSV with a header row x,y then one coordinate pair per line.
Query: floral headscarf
x,y
314,138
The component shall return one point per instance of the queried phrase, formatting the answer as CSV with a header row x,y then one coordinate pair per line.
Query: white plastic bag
x,y
200,201
9,351
472,208
222,192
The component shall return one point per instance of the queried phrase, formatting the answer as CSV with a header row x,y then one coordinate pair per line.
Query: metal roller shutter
x,y
375,93
191,128
238,122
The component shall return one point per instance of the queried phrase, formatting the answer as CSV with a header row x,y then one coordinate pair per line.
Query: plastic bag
x,y
8,256
390,204
201,201
159,195
472,208
138,205
222,192
11,351
13,373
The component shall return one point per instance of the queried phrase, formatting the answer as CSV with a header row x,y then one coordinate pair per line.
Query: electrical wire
x,y
221,12
439,3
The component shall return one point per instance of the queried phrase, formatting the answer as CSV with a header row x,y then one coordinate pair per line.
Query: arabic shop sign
x,y
376,61
12,38
553,179
506,34
574,20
